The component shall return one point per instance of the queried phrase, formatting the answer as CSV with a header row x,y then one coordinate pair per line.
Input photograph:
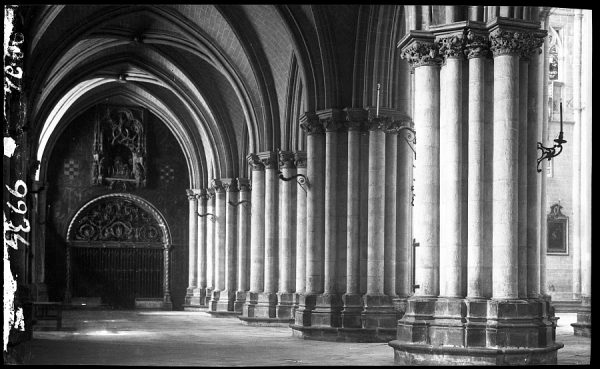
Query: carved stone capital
x,y
286,159
255,162
477,45
311,124
300,159
355,119
332,125
532,43
376,124
269,159
421,53
230,184
504,42
217,186
451,46
244,184
210,192
191,194
394,127
202,195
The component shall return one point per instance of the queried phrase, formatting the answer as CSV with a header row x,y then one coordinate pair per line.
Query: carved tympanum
x,y
116,220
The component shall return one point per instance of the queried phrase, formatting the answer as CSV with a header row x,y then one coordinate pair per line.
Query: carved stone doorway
x,y
118,250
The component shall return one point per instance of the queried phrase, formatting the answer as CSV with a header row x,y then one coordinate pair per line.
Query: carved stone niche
x,y
119,150
558,228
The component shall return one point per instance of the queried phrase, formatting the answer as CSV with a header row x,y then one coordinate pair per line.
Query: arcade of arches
x,y
360,172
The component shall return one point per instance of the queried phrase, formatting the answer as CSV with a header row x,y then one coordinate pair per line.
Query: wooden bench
x,y
48,311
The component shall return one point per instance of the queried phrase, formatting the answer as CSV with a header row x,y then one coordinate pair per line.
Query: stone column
x,y
192,244
534,121
522,202
505,164
378,311
391,189
210,242
363,219
576,140
287,234
243,244
227,296
352,299
199,295
315,222
450,164
219,253
477,50
403,214
301,190
267,301
426,218
257,235
331,132
583,326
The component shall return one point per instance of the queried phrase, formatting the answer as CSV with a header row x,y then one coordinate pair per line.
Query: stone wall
x,y
70,187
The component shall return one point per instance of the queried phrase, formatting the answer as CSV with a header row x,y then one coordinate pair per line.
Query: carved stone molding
x,y
421,53
286,159
116,219
192,194
255,162
356,119
311,124
532,43
202,195
477,45
300,159
451,46
376,124
210,192
269,159
217,185
230,184
506,42
244,184
332,125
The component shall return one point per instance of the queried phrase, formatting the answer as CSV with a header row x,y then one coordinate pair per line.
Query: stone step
x,y
568,306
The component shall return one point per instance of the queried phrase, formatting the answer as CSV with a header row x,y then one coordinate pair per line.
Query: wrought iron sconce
x,y
302,179
551,152
239,202
211,217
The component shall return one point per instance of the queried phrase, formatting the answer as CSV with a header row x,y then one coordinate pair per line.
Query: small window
x,y
558,228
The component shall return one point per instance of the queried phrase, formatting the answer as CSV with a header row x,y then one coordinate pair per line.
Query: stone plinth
x,y
447,331
250,304
226,301
198,297
352,309
240,300
266,305
285,305
379,313
583,326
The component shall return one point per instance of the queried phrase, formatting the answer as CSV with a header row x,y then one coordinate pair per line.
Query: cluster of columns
x,y
218,245
352,268
491,104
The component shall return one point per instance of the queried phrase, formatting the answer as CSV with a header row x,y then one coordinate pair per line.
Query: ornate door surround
x,y
119,219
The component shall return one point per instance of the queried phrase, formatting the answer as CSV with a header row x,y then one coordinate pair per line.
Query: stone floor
x,y
164,338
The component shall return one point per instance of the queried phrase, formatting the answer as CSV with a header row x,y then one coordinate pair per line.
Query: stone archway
x,y
118,249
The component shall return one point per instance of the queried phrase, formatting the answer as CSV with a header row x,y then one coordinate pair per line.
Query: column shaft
x,y
363,204
243,241
287,224
192,241
202,262
210,240
330,207
390,239
426,220
300,225
353,255
220,229
232,194
257,224
451,171
315,222
271,224
522,177
504,234
376,210
534,121
403,215
476,103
